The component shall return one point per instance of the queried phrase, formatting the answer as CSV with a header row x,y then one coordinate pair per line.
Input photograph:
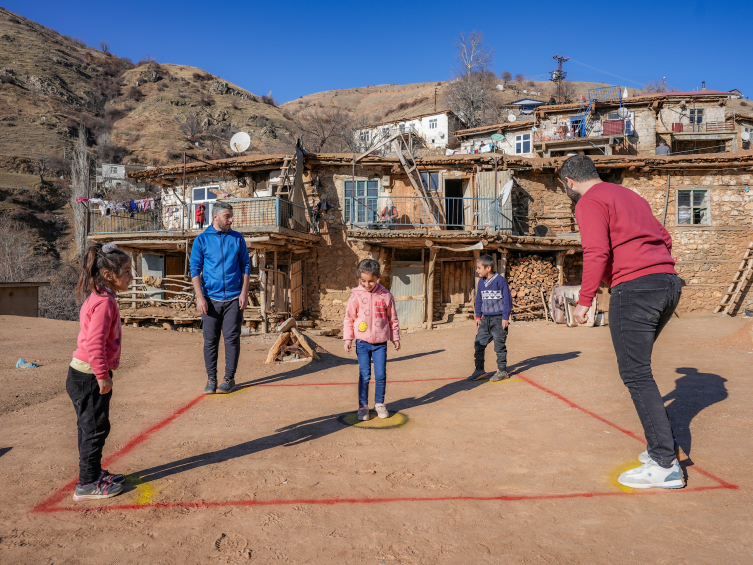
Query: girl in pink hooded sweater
x,y
105,269
371,319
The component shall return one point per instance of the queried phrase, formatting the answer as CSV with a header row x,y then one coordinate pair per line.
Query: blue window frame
x,y
430,181
364,202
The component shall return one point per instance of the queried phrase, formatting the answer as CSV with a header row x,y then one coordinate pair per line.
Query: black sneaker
x,y
477,375
105,475
95,491
499,376
211,386
227,386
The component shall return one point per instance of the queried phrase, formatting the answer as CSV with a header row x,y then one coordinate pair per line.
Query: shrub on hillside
x,y
206,100
135,94
202,77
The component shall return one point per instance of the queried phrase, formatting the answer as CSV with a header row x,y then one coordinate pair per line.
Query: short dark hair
x,y
486,261
218,207
369,266
579,168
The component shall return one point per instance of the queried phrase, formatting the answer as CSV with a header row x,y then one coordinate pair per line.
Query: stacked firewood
x,y
528,276
291,344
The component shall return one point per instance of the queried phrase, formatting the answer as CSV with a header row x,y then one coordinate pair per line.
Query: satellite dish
x,y
745,135
623,112
506,190
498,137
240,142
511,118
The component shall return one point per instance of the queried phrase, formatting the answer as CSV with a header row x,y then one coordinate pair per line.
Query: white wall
x,y
435,138
506,146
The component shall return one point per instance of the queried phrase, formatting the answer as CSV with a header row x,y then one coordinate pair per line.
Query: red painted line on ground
x,y
353,384
334,501
722,483
58,496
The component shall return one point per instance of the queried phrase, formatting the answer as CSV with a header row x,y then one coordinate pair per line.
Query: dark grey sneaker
x,y
105,475
95,491
211,386
499,376
227,386
477,374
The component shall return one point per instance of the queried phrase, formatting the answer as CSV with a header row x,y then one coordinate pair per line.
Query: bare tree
x,y
16,248
104,46
191,127
520,77
470,99
42,167
507,76
568,92
80,188
473,54
327,129
659,85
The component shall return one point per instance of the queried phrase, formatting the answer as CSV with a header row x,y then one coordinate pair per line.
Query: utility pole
x,y
558,75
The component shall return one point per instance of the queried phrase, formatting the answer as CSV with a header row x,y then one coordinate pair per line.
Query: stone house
x,y
435,129
513,207
517,138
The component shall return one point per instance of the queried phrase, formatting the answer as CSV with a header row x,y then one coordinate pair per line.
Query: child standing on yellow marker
x,y
371,319
105,269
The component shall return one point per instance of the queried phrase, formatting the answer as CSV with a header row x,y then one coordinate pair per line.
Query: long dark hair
x,y
97,259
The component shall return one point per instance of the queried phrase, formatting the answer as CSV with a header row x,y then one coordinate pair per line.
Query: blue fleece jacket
x,y
221,258
493,297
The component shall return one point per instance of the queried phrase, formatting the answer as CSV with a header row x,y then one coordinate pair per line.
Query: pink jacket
x,y
99,338
371,316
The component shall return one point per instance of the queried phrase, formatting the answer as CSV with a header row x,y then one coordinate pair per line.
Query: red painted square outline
x,y
50,504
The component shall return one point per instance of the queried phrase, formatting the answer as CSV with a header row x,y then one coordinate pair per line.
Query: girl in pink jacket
x,y
105,269
371,319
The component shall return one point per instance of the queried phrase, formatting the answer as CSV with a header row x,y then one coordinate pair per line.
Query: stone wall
x,y
541,206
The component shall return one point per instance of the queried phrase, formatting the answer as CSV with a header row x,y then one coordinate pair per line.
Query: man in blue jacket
x,y
493,307
220,269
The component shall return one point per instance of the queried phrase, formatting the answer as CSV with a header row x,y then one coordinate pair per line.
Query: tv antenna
x,y
558,75
240,142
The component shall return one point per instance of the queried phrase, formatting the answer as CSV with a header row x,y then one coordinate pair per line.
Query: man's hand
x,y
243,301
347,346
478,322
105,385
397,345
505,324
201,304
581,314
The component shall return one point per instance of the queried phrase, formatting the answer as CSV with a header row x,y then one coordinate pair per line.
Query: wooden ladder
x,y
738,282
285,176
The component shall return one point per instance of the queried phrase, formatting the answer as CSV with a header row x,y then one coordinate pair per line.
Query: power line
x,y
607,72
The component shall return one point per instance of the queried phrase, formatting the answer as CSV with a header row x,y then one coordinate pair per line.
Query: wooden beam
x,y
560,268
263,290
430,289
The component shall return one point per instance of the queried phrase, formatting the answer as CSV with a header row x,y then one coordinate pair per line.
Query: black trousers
x,y
92,419
225,317
638,311
491,330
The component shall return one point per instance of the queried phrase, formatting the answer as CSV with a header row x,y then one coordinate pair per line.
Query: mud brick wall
x,y
540,205
707,256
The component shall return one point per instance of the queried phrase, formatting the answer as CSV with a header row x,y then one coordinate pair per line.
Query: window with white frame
x,y
523,143
430,181
365,136
693,207
113,170
386,131
696,115
203,195
361,204
433,124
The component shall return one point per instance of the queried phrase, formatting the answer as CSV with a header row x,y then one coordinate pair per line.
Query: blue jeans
x,y
366,353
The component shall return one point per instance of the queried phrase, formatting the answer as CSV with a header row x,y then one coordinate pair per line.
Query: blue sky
x,y
295,48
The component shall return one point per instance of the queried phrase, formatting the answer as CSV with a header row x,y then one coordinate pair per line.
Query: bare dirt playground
x,y
521,471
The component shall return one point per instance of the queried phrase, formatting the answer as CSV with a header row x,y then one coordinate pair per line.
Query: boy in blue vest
x,y
493,307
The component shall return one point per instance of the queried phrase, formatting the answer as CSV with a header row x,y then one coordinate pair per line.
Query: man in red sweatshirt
x,y
625,246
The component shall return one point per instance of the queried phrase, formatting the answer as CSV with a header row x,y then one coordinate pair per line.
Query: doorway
x,y
453,192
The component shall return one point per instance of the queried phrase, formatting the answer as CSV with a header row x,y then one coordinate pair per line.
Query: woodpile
x,y
530,277
291,345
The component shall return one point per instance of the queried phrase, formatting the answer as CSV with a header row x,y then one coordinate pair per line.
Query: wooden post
x,y
560,268
476,255
263,291
502,264
430,289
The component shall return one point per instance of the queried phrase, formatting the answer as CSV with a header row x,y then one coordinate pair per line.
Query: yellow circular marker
x,y
144,492
618,471
374,422
362,327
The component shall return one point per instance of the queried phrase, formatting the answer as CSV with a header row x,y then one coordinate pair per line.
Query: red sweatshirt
x,y
99,338
621,238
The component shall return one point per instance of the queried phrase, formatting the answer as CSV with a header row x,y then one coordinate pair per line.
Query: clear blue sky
x,y
295,48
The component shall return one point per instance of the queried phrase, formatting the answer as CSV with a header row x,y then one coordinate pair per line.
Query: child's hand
x,y
505,324
397,345
347,346
105,385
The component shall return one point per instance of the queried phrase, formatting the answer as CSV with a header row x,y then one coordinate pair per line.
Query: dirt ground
x,y
522,471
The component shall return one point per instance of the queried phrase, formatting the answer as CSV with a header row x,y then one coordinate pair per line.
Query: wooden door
x,y
174,267
457,282
408,287
296,288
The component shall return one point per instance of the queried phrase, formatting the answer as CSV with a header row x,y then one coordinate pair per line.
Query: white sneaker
x,y
643,457
679,454
651,474
363,413
381,410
